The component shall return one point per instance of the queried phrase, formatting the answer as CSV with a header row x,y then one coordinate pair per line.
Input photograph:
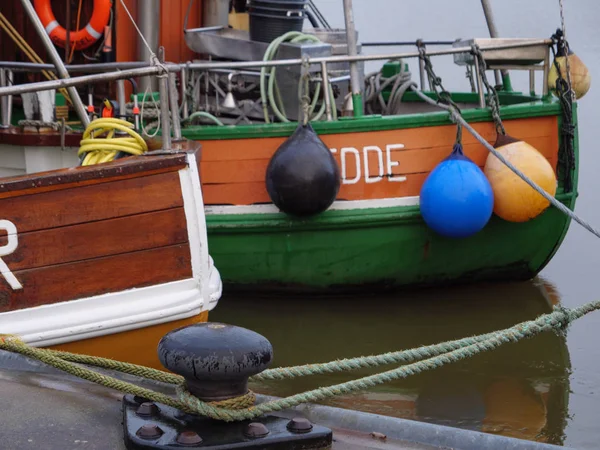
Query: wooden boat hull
x,y
373,236
105,259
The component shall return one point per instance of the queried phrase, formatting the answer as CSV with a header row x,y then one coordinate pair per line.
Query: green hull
x,y
376,248
386,247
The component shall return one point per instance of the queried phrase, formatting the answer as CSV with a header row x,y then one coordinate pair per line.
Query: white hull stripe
x,y
95,34
51,26
336,206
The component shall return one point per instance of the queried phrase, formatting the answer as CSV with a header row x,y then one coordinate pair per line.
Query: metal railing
x,y
109,72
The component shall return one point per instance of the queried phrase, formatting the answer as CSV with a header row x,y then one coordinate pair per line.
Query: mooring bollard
x,y
216,360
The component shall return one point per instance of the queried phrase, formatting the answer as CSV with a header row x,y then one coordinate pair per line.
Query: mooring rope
x,y
244,407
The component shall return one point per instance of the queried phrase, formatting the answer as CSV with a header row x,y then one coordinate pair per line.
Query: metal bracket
x,y
149,425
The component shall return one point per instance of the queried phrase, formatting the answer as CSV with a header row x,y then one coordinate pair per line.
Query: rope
x,y
564,32
153,58
376,83
93,150
56,126
29,52
244,408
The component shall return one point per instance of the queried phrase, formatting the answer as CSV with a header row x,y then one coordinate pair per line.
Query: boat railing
x,y
503,53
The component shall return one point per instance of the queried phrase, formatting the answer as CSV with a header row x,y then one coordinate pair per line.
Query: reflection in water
x,y
520,390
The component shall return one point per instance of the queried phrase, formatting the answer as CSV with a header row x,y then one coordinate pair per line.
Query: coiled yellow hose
x,y
99,144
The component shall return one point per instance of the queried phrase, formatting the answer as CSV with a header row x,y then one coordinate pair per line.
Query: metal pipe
x,y
184,100
121,97
154,70
6,101
55,57
479,83
326,87
532,82
215,13
68,27
147,17
174,108
352,51
403,43
163,91
93,68
489,18
546,70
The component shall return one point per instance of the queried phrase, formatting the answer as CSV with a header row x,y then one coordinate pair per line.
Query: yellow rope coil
x,y
99,144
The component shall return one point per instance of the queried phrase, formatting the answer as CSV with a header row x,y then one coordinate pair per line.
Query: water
x,y
546,388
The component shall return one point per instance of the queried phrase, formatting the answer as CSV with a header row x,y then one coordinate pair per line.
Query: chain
x,y
303,90
566,47
470,78
565,95
493,99
436,82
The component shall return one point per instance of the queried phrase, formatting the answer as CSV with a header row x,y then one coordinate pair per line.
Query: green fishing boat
x,y
319,176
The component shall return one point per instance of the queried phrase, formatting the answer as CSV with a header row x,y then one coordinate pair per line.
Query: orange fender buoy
x,y
79,39
514,199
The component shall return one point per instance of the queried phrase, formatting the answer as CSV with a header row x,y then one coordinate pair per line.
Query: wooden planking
x,y
241,181
413,138
130,167
92,203
77,280
410,161
98,239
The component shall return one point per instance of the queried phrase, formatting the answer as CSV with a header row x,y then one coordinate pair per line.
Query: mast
x,y
489,18
352,51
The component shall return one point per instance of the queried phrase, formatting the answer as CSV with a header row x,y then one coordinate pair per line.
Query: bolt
x,y
256,430
189,439
299,425
149,432
147,409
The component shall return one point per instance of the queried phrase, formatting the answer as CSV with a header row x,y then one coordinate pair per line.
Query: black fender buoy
x,y
303,178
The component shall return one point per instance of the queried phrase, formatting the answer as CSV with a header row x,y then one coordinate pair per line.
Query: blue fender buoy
x,y
303,178
457,199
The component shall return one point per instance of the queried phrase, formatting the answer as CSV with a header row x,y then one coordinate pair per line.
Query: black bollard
x,y
215,359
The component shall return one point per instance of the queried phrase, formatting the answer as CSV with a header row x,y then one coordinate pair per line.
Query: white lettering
x,y
390,163
385,169
11,246
366,151
357,161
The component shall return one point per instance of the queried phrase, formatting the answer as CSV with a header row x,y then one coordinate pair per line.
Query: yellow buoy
x,y
581,79
514,199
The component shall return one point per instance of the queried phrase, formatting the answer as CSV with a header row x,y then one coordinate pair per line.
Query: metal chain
x,y
564,32
493,99
564,92
443,95
303,90
470,78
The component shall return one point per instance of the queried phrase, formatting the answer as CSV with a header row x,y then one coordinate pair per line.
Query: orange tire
x,y
79,39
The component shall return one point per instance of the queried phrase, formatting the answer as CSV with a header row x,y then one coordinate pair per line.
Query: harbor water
x,y
546,388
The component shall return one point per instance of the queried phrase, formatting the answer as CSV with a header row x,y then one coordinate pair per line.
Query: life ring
x,y
81,38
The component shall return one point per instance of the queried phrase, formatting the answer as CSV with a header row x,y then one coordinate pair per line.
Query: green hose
x,y
268,93
204,114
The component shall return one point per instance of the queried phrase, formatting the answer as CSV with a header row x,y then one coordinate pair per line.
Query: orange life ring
x,y
81,38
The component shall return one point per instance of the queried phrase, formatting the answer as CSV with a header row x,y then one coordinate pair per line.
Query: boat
x,y
238,98
105,259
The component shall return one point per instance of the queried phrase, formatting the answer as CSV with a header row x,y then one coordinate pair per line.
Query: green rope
x,y
243,408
